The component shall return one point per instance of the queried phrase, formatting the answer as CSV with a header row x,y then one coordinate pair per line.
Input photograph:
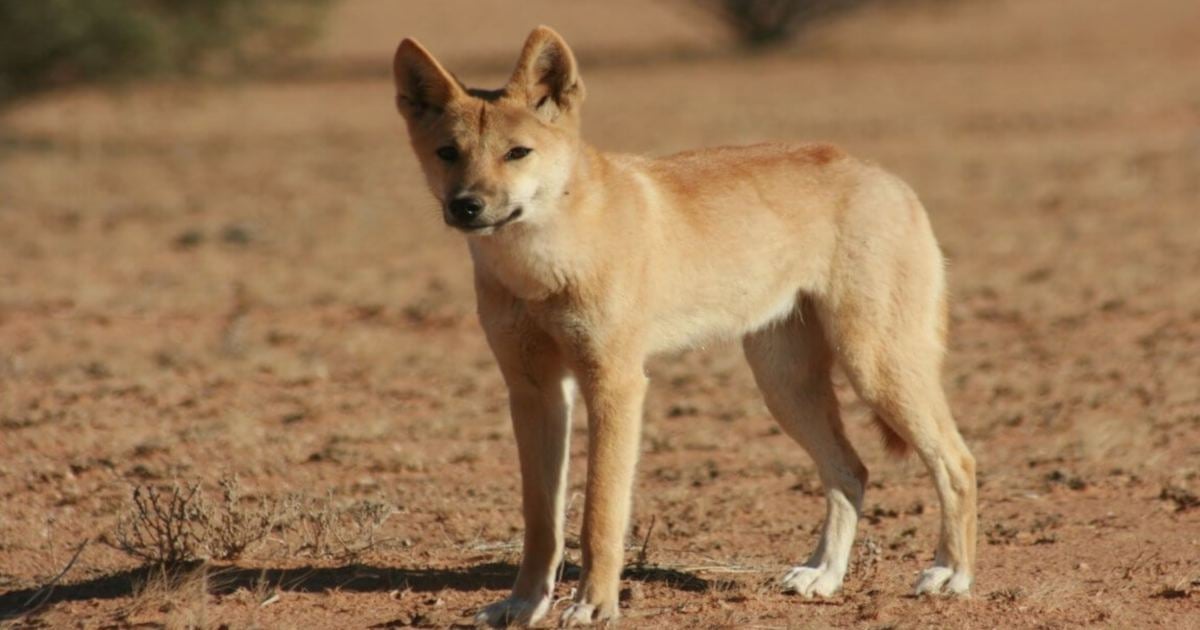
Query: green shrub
x,y
51,43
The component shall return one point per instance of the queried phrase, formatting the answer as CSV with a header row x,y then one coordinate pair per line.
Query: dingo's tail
x,y
892,442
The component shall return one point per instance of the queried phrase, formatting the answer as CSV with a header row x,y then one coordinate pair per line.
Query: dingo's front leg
x,y
540,396
614,402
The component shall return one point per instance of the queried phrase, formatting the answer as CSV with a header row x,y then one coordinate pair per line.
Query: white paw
x,y
513,611
810,581
940,580
584,614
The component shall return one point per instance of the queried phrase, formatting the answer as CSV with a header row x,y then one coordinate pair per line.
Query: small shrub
x,y
231,527
326,529
165,525
176,524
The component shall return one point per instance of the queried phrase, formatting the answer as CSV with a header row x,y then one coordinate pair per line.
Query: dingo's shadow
x,y
359,578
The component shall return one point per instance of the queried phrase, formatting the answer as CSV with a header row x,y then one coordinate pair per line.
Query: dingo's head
x,y
494,157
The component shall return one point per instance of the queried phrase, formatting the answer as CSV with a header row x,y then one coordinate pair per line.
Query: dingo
x,y
588,262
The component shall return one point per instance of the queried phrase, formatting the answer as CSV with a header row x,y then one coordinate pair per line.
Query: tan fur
x,y
807,255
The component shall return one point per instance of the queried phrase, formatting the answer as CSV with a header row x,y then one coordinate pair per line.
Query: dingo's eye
x,y
448,154
517,153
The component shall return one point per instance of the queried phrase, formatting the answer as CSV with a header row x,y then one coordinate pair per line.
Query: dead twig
x,y
43,594
642,554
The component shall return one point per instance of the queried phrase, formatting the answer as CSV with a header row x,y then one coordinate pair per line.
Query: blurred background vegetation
x,y
766,23
46,44
52,43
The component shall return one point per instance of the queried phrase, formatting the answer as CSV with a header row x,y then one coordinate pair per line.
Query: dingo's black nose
x,y
465,209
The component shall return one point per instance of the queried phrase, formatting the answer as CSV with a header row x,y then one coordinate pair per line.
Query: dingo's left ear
x,y
422,84
547,77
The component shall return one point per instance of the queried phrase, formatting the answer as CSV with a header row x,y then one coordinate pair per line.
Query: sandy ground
x,y
206,280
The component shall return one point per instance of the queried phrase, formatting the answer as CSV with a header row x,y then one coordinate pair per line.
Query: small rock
x,y
235,234
189,238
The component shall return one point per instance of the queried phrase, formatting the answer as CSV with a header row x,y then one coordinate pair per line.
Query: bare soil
x,y
201,280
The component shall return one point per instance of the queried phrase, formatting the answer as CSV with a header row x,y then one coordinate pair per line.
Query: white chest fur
x,y
529,265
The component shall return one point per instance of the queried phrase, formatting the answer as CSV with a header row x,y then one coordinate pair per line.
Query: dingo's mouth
x,y
491,227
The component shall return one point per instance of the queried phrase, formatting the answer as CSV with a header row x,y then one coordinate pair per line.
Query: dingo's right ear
x,y
422,84
547,77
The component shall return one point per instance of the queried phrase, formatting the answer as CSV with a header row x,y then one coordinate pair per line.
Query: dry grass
x,y
176,524
328,530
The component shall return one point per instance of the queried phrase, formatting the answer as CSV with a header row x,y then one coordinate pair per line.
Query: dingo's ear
x,y
547,77
422,84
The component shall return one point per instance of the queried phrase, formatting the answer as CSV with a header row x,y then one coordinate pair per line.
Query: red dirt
x,y
199,280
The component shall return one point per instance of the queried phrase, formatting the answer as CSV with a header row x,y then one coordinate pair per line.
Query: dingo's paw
x,y
513,611
809,581
585,614
939,580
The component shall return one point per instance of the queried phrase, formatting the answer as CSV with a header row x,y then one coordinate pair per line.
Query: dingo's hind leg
x,y
791,362
916,409
888,329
